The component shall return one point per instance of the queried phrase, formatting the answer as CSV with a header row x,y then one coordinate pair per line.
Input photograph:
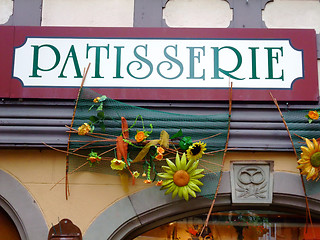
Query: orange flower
x,y
140,136
159,156
159,183
96,100
147,181
160,150
94,159
84,129
313,115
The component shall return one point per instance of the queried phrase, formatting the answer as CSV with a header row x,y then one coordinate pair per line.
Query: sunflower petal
x,y
175,192
309,144
191,192
165,175
196,172
194,166
183,161
194,186
171,165
178,163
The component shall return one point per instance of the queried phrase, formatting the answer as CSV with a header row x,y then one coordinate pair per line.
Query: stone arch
x,y
22,208
149,208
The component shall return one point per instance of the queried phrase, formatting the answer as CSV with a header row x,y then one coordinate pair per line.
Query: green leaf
x,y
185,142
100,115
102,126
102,98
100,108
93,119
91,107
177,135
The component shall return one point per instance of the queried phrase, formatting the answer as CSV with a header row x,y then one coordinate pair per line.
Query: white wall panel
x,y
292,14
6,10
197,13
93,13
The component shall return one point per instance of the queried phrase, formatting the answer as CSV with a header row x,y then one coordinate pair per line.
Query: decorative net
x,y
300,127
169,130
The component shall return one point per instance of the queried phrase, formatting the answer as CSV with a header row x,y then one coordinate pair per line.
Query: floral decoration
x,y
312,115
182,178
93,158
196,151
142,154
140,136
309,163
96,100
117,164
136,174
84,129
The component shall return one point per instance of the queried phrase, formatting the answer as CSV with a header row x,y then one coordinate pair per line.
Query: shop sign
x,y
158,63
175,64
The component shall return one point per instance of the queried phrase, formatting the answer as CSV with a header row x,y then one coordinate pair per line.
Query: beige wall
x,y
90,193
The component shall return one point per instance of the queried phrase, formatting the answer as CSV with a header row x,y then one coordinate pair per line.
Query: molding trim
x,y
149,13
26,13
22,208
247,13
150,208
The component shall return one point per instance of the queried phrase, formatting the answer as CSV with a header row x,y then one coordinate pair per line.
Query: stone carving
x,y
251,183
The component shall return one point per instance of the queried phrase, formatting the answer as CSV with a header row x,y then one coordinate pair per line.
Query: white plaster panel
x,y
292,14
93,13
197,13
6,10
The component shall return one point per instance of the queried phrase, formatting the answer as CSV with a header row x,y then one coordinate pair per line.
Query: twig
x,y
308,213
67,191
223,160
69,173
208,137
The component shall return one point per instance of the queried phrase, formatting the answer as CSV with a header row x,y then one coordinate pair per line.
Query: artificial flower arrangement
x,y
309,161
180,178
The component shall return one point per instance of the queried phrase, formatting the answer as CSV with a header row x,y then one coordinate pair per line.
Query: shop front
x,y
175,134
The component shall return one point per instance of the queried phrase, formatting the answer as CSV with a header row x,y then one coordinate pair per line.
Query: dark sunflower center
x,y
181,178
315,159
196,149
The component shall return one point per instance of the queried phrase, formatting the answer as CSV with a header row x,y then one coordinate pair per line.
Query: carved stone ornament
x,y
251,182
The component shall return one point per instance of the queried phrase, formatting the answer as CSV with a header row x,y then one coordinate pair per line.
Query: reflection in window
x,y
233,225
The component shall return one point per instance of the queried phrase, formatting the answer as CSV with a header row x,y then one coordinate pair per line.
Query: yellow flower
x,y
140,136
84,129
136,174
309,163
117,164
314,115
196,150
96,100
182,177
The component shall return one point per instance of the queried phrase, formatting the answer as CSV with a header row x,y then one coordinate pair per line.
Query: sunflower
x,y
182,177
196,150
309,163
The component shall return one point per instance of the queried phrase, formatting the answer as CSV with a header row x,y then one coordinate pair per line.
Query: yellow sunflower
x,y
196,150
309,163
182,177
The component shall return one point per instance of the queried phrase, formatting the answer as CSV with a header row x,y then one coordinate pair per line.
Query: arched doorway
x,y
8,229
21,209
148,209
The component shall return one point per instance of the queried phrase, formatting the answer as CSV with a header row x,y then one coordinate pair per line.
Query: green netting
x,y
210,129
300,127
